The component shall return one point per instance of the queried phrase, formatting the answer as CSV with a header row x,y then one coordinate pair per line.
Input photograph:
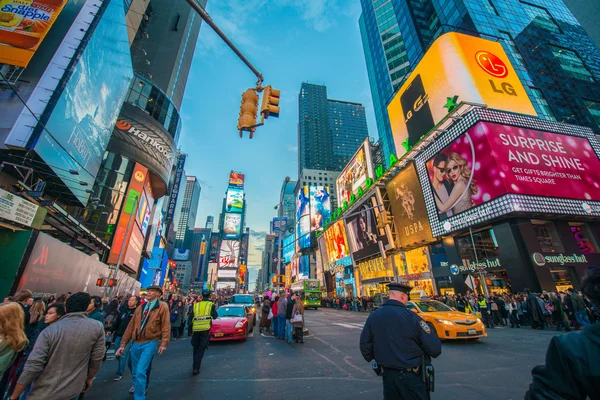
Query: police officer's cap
x,y
399,287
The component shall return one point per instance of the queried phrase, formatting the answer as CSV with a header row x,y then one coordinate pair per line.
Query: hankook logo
x,y
491,64
127,127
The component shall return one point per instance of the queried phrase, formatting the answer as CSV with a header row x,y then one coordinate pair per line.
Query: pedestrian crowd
x,y
283,317
359,304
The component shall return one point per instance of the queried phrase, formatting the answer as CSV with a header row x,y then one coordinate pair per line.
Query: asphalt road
x,y
329,365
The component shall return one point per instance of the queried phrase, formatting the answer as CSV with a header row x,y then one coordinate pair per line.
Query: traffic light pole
x,y
206,18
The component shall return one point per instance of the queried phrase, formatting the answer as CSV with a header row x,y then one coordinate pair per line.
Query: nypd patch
x,y
425,327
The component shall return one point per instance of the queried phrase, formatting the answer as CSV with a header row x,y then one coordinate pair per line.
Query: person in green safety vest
x,y
484,309
203,313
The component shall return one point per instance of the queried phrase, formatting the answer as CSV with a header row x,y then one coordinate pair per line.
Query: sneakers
x,y
131,390
117,378
196,371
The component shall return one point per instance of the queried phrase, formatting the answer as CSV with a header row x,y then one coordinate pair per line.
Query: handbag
x,y
173,317
297,318
270,314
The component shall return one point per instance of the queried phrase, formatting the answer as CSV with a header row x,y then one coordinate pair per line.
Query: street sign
x,y
470,281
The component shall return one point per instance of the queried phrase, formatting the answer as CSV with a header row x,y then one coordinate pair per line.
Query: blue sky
x,y
289,41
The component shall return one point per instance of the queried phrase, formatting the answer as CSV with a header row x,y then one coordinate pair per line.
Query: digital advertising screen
x,y
181,254
232,226
355,174
289,248
228,258
303,268
320,206
236,180
408,207
234,200
336,242
213,252
302,219
23,26
363,235
87,106
470,68
467,173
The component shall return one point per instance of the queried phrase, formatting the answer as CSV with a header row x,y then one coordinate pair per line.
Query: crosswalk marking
x,y
350,325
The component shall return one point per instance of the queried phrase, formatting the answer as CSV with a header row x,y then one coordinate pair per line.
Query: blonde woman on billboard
x,y
464,187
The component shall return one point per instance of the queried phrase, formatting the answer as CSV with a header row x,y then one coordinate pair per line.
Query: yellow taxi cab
x,y
447,322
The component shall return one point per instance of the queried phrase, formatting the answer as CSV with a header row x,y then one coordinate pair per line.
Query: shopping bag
x,y
270,315
297,318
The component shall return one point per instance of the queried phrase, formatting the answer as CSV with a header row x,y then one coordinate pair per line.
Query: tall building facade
x,y
347,127
556,60
328,130
588,15
289,200
187,217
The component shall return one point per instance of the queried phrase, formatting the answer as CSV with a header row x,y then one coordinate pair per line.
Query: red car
x,y
234,323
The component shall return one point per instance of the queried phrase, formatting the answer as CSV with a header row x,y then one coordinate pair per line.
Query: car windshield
x,y
231,312
432,306
243,299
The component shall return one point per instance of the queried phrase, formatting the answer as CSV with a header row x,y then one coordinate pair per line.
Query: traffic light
x,y
112,282
270,102
101,282
248,110
384,219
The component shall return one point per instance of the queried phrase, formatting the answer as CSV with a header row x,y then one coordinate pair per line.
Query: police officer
x,y
397,339
202,315
572,368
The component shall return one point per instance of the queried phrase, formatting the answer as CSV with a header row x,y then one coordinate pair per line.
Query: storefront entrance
x,y
563,278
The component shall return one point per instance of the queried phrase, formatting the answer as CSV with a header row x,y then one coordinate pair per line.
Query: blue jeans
x,y
289,328
123,359
582,318
141,356
281,326
274,325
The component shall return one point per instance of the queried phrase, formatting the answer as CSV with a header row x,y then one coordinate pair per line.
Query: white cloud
x,y
293,149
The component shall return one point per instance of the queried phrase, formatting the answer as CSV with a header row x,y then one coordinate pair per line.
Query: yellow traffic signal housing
x,y
383,219
248,110
270,102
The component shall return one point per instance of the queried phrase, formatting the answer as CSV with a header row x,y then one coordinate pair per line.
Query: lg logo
x,y
495,67
419,103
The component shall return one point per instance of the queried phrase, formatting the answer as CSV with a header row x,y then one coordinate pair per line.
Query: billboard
x,y
488,169
154,269
175,189
336,242
134,248
17,209
363,235
23,26
320,206
236,179
228,258
234,200
408,207
276,225
303,221
288,247
473,69
242,274
355,174
244,248
213,252
86,104
55,268
181,254
232,226
139,137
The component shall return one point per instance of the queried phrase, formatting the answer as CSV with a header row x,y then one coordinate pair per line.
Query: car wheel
x,y
245,337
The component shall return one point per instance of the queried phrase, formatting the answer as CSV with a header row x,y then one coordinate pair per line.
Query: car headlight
x,y
479,320
444,321
253,309
240,323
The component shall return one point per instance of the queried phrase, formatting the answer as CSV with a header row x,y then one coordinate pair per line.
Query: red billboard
x,y
491,160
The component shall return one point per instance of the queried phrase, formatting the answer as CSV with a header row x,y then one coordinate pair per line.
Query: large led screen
x,y
456,67
234,200
320,206
408,207
236,179
363,235
288,248
302,219
228,258
83,117
336,242
232,226
487,169
355,174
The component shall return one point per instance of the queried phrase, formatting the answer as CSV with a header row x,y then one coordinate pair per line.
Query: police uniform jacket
x,y
572,370
397,338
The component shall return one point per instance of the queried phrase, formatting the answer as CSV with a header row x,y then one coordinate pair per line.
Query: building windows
x,y
485,246
593,108
540,17
538,98
547,236
571,63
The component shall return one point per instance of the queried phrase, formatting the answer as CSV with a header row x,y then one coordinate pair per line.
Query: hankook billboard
x,y
139,137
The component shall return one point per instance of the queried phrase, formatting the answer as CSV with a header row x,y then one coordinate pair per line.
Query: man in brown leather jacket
x,y
150,330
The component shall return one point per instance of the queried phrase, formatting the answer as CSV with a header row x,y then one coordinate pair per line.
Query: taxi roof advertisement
x,y
474,69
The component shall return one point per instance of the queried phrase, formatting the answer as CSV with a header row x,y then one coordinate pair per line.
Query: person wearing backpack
x,y
558,315
118,330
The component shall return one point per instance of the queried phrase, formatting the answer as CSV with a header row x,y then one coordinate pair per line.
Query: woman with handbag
x,y
265,322
298,321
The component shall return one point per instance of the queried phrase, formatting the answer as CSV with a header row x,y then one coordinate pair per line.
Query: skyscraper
x,y
555,59
328,130
187,217
588,14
